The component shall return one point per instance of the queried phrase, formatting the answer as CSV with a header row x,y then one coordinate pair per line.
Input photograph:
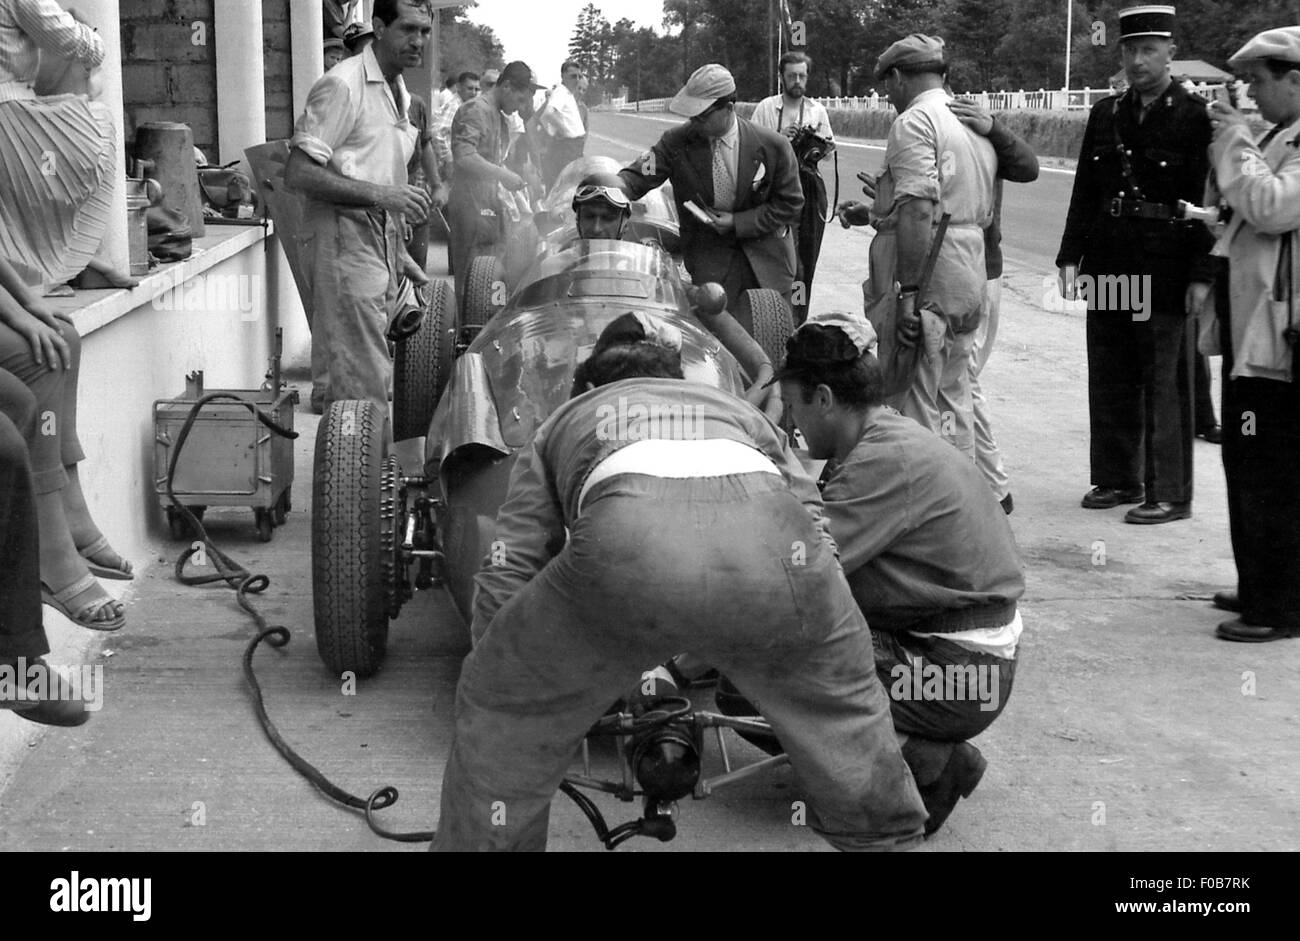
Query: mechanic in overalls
x,y
482,183
691,526
348,155
927,550
933,165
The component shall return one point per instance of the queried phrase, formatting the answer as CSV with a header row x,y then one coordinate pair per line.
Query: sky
x,y
538,31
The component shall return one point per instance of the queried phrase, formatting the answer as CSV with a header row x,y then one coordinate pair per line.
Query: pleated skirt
x,y
57,158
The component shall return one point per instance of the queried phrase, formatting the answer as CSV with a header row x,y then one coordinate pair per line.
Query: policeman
x,y
1142,270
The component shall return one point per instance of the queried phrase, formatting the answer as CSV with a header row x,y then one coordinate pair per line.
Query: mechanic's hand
x,y
852,212
438,198
973,116
868,184
1197,298
723,222
1224,116
791,131
411,201
909,321
513,181
47,345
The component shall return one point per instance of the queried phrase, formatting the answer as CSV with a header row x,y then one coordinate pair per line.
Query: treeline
x,y
465,46
993,44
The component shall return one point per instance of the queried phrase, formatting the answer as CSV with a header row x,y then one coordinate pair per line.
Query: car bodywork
x,y
519,369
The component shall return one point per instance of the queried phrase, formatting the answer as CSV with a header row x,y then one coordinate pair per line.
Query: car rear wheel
x,y
484,291
352,566
423,364
773,322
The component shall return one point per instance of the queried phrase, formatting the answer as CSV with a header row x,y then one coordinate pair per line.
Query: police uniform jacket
x,y
1168,156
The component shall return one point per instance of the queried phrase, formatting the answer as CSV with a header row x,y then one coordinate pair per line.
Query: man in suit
x,y
742,177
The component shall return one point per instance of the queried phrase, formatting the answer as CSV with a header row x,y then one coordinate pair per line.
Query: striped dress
x,y
57,152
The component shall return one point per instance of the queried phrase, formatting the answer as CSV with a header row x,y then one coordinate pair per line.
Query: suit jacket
x,y
768,201
1168,152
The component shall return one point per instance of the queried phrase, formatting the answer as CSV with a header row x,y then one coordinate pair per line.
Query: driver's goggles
x,y
586,194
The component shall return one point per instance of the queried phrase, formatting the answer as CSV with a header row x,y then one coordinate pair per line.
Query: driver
x,y
691,526
602,207
603,212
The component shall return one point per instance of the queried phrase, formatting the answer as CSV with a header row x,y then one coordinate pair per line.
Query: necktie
x,y
724,187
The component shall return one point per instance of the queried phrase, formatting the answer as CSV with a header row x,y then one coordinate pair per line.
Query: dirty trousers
x,y
352,256
987,456
731,569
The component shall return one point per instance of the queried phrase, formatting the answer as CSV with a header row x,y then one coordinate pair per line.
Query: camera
x,y
809,147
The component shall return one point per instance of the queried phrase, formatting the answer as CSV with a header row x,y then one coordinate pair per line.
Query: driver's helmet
x,y
605,187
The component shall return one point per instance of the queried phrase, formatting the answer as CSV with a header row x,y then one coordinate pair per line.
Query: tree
x,y
464,46
587,45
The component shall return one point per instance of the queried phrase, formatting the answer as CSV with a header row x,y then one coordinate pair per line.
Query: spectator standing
x,y
561,121
788,113
741,177
1259,310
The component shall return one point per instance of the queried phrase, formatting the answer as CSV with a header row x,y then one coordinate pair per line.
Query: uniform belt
x,y
966,619
1140,209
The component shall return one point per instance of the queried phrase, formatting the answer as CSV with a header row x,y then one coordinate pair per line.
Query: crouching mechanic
x,y
927,550
692,527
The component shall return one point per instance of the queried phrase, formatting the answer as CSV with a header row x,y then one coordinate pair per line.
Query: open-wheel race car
x,y
477,393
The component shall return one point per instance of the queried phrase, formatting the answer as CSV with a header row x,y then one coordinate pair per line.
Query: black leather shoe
x,y
959,778
1158,513
1007,504
1227,601
1103,498
1245,633
50,702
1212,434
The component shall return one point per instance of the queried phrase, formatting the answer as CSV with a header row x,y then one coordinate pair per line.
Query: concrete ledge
x,y
93,309
217,312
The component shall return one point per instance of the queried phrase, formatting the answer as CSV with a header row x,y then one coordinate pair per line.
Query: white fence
x,y
1041,100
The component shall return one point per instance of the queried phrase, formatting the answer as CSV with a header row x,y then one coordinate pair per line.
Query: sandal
x,y
121,571
84,613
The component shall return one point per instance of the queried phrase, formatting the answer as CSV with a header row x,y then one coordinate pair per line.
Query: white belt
x,y
680,459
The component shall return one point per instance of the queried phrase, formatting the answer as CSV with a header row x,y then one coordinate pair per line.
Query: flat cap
x,y
1282,43
706,85
916,49
827,338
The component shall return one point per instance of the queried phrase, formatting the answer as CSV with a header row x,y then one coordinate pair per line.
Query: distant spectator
x,y
561,120
335,52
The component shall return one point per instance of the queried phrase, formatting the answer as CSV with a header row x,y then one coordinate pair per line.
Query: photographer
x,y
805,122
1257,310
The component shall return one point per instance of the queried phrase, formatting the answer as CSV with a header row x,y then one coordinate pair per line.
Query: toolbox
x,y
229,458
